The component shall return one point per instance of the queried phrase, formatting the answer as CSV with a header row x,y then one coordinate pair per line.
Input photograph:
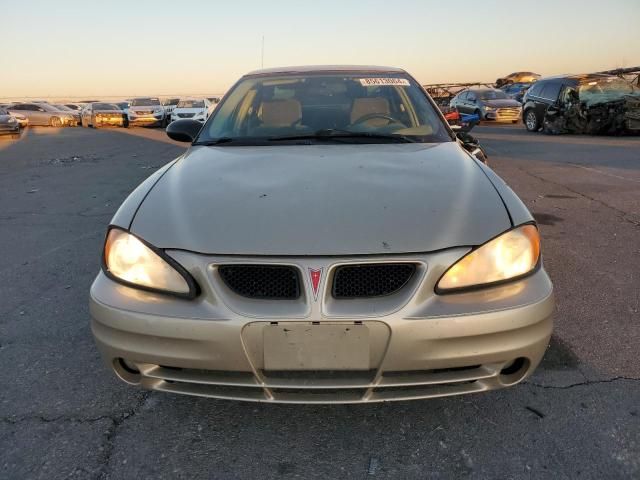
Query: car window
x,y
145,102
262,107
535,89
190,104
551,91
105,106
471,96
492,95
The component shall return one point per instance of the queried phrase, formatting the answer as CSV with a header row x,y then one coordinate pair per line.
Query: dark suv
x,y
593,103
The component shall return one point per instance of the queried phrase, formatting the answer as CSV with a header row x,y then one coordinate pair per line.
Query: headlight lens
x,y
129,260
512,254
489,109
12,120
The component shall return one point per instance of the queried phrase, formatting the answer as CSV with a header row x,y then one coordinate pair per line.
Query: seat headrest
x,y
280,113
366,106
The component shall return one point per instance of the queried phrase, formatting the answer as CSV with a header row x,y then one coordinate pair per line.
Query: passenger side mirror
x,y
185,130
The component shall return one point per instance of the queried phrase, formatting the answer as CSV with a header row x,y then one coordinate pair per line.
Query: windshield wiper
x,y
219,141
330,134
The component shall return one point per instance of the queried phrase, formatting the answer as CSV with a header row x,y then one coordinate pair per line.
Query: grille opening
x,y
271,282
311,375
371,280
405,373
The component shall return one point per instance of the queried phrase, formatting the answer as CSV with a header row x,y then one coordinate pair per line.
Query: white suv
x,y
195,108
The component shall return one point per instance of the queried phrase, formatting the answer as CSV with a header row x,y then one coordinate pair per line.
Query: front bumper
x,y
421,345
145,120
109,121
511,114
10,129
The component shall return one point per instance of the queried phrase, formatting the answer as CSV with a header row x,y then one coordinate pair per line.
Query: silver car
x,y
325,239
44,114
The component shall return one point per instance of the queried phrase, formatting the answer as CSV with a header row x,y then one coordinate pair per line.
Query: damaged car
x,y
594,104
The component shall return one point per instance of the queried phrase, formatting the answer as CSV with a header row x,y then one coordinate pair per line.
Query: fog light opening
x,y
514,371
126,371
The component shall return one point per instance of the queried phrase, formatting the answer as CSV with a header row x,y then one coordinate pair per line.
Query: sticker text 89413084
x,y
375,82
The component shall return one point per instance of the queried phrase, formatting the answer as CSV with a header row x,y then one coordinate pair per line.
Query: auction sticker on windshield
x,y
375,82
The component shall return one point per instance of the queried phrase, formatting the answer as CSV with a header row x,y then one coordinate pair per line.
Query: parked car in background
x,y
324,238
517,77
43,114
146,111
516,90
169,104
8,124
591,103
488,104
196,108
64,108
21,119
99,114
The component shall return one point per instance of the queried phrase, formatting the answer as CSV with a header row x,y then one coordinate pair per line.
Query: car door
x,y
460,102
35,114
471,103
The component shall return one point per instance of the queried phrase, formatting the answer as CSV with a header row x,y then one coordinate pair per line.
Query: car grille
x,y
272,282
320,387
186,115
371,280
143,112
510,113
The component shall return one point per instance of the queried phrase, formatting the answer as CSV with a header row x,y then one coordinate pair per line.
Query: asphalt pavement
x,y
64,415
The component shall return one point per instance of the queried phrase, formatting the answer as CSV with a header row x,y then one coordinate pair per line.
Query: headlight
x,y
489,109
513,254
12,120
133,262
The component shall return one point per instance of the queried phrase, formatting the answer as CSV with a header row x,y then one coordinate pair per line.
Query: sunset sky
x,y
124,48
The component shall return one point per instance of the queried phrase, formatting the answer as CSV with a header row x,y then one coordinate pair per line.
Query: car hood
x,y
502,103
322,200
5,118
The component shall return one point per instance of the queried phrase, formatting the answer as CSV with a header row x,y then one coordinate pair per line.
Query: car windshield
x,y
190,104
3,111
605,90
62,107
321,107
492,95
105,106
145,102
122,105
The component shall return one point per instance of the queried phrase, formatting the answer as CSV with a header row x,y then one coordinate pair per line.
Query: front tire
x,y
531,121
55,122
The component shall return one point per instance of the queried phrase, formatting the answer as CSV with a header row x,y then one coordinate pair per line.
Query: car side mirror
x,y
185,130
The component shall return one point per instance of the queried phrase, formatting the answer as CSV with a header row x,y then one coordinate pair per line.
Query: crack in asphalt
x,y
112,433
581,384
621,213
117,420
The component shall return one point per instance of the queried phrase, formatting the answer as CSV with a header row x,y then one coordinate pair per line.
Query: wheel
x,y
55,122
531,121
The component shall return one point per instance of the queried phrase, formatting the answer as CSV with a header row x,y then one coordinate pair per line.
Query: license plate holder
x,y
316,347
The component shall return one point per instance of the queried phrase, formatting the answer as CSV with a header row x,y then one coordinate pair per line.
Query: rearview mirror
x,y
184,130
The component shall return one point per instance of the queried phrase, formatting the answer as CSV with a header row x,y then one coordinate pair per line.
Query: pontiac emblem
x,y
316,279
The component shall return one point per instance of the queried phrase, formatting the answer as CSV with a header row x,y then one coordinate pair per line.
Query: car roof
x,y
327,68
577,78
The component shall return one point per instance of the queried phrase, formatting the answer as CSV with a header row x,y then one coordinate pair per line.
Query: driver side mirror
x,y
185,130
